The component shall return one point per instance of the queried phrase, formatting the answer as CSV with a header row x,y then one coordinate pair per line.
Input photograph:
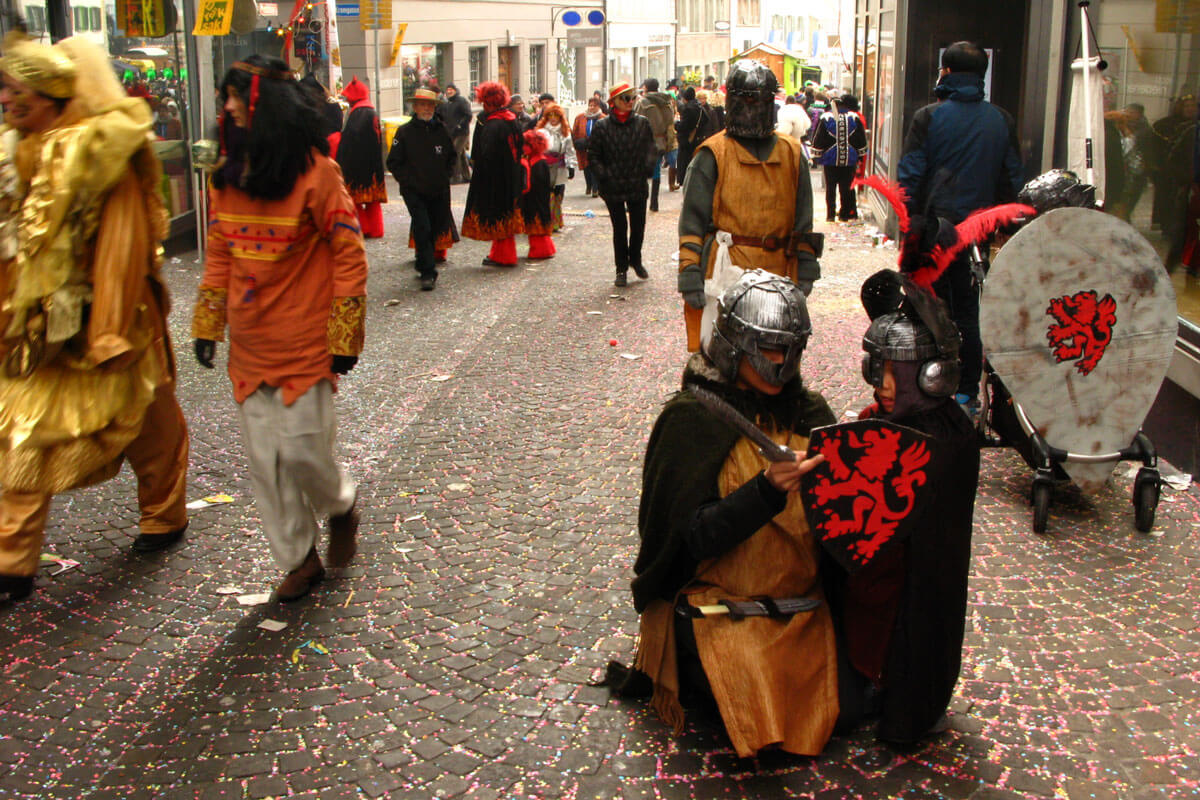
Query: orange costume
x,y
87,377
290,278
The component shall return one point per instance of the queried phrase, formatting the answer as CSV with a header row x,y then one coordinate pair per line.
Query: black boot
x,y
672,183
654,184
17,587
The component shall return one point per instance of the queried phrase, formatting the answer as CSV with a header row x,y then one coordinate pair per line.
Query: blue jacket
x,y
962,151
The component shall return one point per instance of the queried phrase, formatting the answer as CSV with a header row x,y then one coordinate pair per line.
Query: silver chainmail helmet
x,y
760,312
750,99
909,324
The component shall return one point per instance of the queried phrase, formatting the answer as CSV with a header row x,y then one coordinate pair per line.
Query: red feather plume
x,y
976,228
892,192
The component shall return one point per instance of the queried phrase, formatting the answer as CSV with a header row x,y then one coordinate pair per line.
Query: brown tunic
x,y
775,681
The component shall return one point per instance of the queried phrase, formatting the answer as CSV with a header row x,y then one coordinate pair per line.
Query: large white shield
x,y
1078,319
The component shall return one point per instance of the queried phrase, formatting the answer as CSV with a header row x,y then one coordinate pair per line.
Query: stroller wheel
x,y
1040,497
1145,498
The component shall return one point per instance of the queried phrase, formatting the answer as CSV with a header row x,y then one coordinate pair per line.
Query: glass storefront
x,y
1152,131
423,66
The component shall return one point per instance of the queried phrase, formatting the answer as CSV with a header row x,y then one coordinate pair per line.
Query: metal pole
x,y
378,109
1084,28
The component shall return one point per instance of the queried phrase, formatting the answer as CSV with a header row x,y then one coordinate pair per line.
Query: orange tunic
x,y
290,278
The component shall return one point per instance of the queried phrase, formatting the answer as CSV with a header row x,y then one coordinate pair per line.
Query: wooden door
x,y
508,68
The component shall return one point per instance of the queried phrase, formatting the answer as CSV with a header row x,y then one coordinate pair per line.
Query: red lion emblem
x,y
1082,328
875,455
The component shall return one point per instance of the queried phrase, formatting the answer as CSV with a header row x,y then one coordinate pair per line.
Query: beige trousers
x,y
292,468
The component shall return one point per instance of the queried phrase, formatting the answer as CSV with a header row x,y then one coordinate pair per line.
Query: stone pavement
x,y
498,436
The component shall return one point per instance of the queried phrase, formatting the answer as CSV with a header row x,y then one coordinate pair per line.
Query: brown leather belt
x,y
761,242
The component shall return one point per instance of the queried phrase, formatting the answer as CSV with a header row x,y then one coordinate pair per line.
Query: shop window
x,y
94,14
423,66
749,12
476,66
537,66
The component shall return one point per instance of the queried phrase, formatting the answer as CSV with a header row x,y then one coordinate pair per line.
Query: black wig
x,y
283,127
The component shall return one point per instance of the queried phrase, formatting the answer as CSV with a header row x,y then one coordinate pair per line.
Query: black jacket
x,y
622,155
422,157
456,113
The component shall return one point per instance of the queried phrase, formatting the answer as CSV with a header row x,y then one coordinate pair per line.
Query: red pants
x,y
504,251
370,219
541,246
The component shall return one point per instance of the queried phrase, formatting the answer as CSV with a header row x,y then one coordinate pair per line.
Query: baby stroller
x,y
1078,321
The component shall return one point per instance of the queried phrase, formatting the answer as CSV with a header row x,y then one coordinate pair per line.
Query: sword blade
x,y
770,449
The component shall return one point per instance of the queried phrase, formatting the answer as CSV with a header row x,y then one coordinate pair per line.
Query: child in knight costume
x,y
727,581
901,617
87,377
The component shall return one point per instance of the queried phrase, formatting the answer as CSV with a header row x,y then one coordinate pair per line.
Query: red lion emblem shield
x,y
870,483
1082,328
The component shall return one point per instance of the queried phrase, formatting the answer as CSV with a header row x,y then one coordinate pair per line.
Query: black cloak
x,y
536,218
498,179
360,153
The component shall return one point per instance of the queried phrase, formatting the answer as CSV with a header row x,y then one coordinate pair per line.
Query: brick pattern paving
x,y
498,437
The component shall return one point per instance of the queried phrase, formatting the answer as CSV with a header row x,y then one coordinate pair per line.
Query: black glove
x,y
205,350
343,364
694,298
570,173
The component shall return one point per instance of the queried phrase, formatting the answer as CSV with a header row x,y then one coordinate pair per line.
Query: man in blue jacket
x,y
961,155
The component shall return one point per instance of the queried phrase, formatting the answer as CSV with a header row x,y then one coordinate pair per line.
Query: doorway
x,y
508,68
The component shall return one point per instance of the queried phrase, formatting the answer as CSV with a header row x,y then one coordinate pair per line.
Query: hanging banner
x,y
213,18
333,46
399,40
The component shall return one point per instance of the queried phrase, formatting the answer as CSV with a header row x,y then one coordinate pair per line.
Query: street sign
x,y
585,37
213,18
375,14
268,9
347,9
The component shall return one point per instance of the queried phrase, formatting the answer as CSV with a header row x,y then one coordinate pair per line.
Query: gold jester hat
x,y
45,69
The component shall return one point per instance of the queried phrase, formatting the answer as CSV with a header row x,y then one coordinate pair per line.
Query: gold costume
x,y
86,371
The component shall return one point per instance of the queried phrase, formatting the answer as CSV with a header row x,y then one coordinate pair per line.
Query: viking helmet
x,y
750,100
760,312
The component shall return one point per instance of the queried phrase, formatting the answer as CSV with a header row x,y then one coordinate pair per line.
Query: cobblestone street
x,y
497,438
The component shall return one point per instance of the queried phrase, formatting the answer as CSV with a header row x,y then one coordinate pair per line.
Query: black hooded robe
x,y
497,181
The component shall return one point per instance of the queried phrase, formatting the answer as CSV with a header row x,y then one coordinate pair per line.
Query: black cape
x,y
497,182
536,218
924,654
360,155
687,449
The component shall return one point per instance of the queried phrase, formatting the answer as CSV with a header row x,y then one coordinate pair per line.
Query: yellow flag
x,y
213,18
399,40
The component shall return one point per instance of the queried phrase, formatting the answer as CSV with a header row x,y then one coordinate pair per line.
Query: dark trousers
x,y
962,300
422,209
462,165
589,179
839,179
627,238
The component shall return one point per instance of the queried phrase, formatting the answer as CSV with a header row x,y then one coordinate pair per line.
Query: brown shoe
x,y
343,544
301,579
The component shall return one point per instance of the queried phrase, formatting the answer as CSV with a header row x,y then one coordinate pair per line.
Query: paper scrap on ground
x,y
275,625
211,500
441,377
254,599
413,517
64,564
316,647
1180,481
595,313
229,589
392,302
459,487
630,356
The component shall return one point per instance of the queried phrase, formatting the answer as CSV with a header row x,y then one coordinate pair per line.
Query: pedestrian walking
x,y
498,179
695,124
659,108
581,133
360,155
87,374
560,157
752,183
330,108
516,105
793,120
960,155
623,155
422,159
537,216
456,114
839,146
286,272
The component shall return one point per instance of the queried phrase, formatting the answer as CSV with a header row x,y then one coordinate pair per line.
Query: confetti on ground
x,y
211,500
254,599
229,589
274,625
